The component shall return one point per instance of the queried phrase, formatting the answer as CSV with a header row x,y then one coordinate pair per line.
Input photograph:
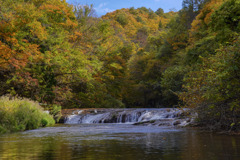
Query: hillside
x,y
56,53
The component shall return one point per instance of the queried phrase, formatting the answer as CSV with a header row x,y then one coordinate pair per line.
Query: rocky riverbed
x,y
139,116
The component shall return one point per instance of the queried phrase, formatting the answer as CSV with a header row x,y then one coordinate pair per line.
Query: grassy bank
x,y
22,114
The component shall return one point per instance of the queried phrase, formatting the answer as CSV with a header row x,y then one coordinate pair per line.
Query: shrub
x,y
22,114
56,112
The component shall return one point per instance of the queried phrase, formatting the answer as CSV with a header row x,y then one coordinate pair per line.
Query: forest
x,y
60,54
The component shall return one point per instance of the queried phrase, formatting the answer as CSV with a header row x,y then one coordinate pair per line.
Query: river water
x,y
118,142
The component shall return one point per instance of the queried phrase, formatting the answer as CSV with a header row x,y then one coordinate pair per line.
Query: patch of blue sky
x,y
104,6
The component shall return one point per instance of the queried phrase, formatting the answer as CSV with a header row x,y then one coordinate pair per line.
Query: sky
x,y
103,6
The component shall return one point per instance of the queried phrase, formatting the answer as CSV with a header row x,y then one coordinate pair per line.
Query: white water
x,y
164,116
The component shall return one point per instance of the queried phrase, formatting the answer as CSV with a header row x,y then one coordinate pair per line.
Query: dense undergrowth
x,y
22,114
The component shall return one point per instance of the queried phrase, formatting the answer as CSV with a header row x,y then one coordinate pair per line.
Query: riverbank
x,y
208,129
22,114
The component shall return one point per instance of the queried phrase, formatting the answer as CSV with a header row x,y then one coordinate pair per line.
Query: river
x,y
118,141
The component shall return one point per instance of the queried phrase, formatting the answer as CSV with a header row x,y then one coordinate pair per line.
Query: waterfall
x,y
163,116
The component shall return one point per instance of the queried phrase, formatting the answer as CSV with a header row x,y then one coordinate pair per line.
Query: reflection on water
x,y
118,141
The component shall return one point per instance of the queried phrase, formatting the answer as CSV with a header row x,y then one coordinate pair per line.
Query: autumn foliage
x,y
57,53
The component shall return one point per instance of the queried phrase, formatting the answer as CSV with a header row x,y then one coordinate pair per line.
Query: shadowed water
x,y
118,141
